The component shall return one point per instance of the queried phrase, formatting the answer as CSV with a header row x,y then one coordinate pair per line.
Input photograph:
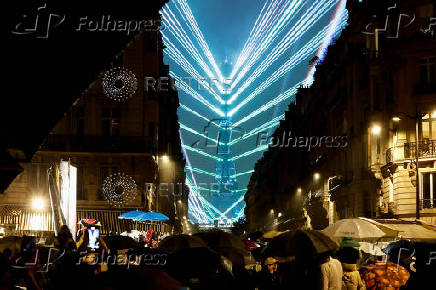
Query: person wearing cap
x,y
348,255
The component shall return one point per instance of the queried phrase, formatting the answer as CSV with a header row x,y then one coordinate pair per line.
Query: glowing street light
x,y
299,190
38,204
165,158
396,119
316,176
376,129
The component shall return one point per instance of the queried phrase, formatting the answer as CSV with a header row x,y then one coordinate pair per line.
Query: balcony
x,y
119,144
426,149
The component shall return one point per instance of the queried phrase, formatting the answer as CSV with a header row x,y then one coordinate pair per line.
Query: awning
x,y
410,230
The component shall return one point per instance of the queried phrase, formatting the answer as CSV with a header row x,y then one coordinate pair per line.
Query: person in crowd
x,y
64,258
268,276
348,255
5,273
330,272
64,240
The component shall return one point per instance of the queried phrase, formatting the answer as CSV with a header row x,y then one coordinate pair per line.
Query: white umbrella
x,y
355,228
371,248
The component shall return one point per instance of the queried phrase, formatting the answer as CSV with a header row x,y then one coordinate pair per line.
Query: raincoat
x,y
351,279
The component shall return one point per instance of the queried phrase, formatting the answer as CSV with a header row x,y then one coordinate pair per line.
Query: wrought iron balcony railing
x,y
426,149
428,203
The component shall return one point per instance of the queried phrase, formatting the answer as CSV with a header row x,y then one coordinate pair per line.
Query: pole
x,y
418,117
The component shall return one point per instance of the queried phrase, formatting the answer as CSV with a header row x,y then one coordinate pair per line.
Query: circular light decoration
x,y
119,189
119,84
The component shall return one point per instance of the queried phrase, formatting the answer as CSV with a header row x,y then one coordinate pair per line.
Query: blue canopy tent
x,y
151,216
140,216
131,215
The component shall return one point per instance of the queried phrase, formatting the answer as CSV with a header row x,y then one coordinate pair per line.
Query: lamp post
x,y
417,119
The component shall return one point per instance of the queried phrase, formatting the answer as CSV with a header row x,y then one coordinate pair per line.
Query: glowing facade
x,y
222,114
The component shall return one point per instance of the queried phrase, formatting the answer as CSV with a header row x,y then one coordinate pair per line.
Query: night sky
x,y
226,26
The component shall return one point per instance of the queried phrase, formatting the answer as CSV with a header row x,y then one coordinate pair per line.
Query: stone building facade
x,y
100,136
361,113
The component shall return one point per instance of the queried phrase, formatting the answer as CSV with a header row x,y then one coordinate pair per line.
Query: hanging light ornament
x,y
119,189
119,84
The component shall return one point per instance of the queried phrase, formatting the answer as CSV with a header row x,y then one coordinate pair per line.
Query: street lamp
x,y
165,158
38,203
316,176
376,129
299,190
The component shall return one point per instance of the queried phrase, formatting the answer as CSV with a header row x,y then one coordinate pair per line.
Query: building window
x,y
428,70
110,125
429,127
428,191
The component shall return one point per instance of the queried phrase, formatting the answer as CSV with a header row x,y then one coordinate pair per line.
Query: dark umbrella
x,y
115,243
189,258
255,235
176,243
226,244
299,242
250,245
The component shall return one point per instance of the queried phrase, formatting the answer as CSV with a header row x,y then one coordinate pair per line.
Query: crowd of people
x,y
104,264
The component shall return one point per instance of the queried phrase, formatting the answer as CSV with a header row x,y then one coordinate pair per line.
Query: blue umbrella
x,y
131,215
151,216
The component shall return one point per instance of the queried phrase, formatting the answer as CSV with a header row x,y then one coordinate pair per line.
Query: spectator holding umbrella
x,y
348,255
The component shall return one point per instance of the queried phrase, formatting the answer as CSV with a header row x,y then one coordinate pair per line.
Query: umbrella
x,y
396,248
272,234
115,243
384,275
188,257
177,243
355,228
250,245
299,242
226,244
371,248
131,215
151,216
